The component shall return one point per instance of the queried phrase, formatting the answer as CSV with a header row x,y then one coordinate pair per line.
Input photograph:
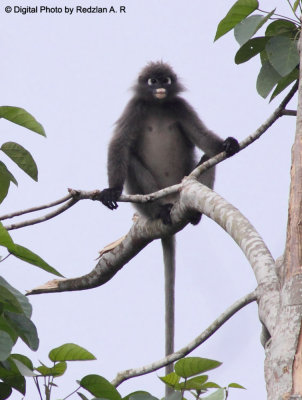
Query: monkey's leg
x,y
140,180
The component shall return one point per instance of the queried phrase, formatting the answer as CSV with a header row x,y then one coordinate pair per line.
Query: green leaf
x,y
27,255
142,396
190,366
211,385
82,396
139,392
247,28
58,370
5,238
9,301
171,379
23,359
70,352
22,158
23,300
240,10
5,172
5,179
5,391
282,27
6,345
196,383
21,117
218,395
13,379
23,369
250,49
283,83
295,6
4,185
25,329
100,387
268,77
236,386
283,54
5,326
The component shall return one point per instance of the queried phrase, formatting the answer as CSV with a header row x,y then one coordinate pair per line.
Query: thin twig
x,y
3,259
292,113
225,316
44,218
37,208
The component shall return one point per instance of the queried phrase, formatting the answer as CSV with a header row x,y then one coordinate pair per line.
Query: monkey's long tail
x,y
168,244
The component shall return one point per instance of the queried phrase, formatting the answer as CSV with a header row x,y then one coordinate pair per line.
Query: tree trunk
x,y
283,365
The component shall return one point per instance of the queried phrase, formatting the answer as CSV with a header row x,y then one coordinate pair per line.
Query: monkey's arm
x,y
192,126
118,157
126,131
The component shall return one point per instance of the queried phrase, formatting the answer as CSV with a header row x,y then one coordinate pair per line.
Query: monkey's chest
x,y
164,151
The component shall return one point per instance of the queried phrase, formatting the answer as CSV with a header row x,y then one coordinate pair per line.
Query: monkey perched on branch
x,y
153,147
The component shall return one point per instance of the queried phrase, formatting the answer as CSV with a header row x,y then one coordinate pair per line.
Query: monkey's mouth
x,y
160,93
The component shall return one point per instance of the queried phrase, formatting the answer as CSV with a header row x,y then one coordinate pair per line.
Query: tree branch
x,y
198,197
225,316
250,139
33,209
193,196
44,218
292,113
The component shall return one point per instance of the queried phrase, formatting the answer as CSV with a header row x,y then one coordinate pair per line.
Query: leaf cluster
x,y
17,367
15,322
18,154
277,48
186,377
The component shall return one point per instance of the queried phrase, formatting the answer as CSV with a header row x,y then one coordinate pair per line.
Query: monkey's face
x,y
158,82
159,86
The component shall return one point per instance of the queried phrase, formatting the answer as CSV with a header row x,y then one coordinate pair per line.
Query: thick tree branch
x,y
225,316
197,197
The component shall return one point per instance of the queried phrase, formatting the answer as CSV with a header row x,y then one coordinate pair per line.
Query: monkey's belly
x,y
165,153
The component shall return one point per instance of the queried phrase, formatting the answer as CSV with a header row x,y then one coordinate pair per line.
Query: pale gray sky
x,y
73,72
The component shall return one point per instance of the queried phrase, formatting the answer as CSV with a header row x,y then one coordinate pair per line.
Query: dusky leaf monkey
x,y
153,147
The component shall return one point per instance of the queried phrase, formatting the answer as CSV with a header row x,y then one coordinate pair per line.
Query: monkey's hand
x,y
109,197
230,146
164,214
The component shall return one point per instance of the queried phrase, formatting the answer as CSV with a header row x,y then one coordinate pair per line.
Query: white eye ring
x,y
168,80
152,81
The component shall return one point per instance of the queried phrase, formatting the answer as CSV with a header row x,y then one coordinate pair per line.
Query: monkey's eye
x,y
167,80
152,81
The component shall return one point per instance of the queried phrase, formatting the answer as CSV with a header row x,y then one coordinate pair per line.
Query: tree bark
x,y
283,365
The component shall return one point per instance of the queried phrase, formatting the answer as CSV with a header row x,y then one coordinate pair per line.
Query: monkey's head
x,y
158,82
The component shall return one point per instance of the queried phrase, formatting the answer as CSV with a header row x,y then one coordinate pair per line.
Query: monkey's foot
x,y
231,146
109,197
164,214
195,218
